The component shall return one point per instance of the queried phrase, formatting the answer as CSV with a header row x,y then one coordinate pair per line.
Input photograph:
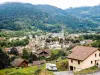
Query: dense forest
x,y
21,16
89,13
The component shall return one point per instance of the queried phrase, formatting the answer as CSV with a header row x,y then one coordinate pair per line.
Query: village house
x,y
6,50
44,53
20,49
14,51
39,62
55,45
73,36
17,38
83,57
1,39
18,62
86,42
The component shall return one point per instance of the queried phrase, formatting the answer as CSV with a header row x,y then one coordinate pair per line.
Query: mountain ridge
x,y
19,16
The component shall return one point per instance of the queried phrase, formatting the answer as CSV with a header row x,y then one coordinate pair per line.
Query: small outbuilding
x,y
18,62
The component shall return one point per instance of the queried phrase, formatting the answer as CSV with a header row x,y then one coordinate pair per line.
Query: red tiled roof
x,y
2,38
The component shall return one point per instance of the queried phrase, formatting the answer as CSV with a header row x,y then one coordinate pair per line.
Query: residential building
x,y
55,45
86,42
39,62
45,53
83,57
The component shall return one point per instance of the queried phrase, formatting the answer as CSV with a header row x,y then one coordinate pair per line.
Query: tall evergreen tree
x,y
4,59
33,57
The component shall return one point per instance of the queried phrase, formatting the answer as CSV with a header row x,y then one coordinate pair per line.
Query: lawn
x,y
25,71
88,70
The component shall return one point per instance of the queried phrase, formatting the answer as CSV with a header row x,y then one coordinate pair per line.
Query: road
x,y
71,73
96,73
64,73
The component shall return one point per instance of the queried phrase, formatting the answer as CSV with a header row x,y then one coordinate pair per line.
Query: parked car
x,y
51,67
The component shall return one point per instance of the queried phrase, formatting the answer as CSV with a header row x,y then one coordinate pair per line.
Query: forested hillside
x,y
90,13
19,16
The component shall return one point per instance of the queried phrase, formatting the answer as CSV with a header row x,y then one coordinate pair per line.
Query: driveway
x,y
96,73
64,73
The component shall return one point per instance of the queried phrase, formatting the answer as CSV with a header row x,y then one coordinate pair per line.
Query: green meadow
x,y
33,70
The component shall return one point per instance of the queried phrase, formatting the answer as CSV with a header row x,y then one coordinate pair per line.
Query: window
x,y
97,64
71,61
91,62
95,55
78,62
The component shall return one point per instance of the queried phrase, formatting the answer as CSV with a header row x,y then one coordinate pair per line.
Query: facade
x,y
83,57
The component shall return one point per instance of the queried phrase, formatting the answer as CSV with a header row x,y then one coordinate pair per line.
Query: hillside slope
x,y
19,16
91,13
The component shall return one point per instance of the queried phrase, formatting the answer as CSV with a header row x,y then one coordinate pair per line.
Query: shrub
x,y
37,72
62,65
2,74
55,54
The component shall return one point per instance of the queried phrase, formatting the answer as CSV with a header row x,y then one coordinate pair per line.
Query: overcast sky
x,y
59,3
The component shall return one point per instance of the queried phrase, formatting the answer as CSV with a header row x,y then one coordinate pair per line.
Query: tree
x,y
14,51
4,59
55,39
96,44
48,40
55,54
81,38
13,58
61,53
33,57
26,54
61,40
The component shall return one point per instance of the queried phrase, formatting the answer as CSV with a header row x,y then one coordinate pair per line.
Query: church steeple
x,y
62,32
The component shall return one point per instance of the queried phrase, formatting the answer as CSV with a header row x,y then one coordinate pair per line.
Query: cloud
x,y
59,3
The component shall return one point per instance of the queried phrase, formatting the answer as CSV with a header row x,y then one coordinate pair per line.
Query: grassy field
x,y
25,71
41,70
88,70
